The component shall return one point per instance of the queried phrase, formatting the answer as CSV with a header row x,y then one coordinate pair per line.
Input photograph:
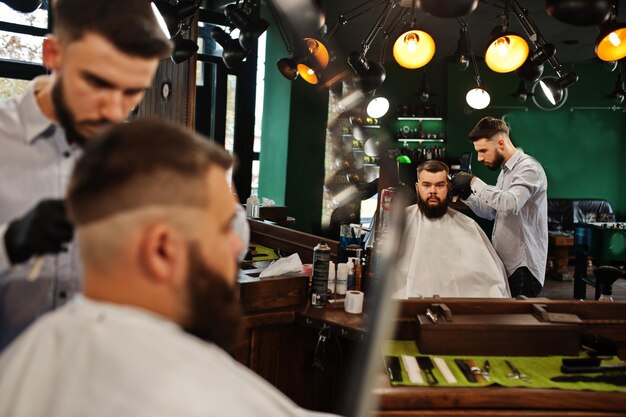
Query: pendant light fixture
x,y
250,28
579,13
448,9
611,42
414,48
314,62
461,55
553,88
477,97
618,92
506,51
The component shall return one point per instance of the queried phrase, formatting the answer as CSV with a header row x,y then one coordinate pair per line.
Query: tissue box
x,y
273,213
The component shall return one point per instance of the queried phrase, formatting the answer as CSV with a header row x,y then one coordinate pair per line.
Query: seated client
x,y
445,253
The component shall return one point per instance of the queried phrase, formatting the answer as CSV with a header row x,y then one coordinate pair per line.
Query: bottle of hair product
x,y
341,285
253,205
351,280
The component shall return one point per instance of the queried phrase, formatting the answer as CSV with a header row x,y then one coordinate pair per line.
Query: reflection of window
x,y
260,90
255,175
10,87
231,89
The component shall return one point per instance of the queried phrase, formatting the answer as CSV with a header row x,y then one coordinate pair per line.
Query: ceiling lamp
x,y
377,107
462,53
424,91
250,28
506,52
233,54
183,50
477,98
447,8
579,13
23,6
413,49
369,75
611,42
532,69
317,59
173,19
553,88
288,67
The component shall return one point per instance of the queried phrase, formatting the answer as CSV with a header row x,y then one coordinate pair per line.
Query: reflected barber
x,y
517,203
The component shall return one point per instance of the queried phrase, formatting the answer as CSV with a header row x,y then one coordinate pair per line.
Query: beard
x,y
497,163
430,211
67,120
216,314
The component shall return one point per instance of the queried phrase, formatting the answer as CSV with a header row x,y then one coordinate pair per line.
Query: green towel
x,y
538,368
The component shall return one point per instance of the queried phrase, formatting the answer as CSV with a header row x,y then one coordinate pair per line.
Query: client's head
x,y
432,188
153,211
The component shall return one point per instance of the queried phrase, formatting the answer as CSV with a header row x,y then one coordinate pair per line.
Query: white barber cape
x,y
450,256
97,359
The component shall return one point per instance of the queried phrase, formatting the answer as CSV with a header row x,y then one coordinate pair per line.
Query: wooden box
x,y
528,334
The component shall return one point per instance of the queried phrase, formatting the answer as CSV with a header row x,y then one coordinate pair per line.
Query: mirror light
x,y
506,53
414,49
477,98
378,107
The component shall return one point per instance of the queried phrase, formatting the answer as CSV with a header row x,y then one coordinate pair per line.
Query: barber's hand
x,y
44,229
461,185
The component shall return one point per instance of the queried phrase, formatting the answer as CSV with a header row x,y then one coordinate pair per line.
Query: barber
x,y
102,56
518,203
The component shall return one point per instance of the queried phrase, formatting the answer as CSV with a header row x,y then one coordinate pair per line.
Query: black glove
x,y
44,229
461,184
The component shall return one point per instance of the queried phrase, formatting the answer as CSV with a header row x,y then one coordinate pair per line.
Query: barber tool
x,y
486,371
393,367
412,370
515,373
476,370
427,366
441,364
431,315
34,272
465,368
619,379
591,369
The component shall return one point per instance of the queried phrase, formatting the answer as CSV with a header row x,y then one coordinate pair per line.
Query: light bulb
x,y
614,39
619,98
378,107
547,92
411,41
477,98
463,62
503,45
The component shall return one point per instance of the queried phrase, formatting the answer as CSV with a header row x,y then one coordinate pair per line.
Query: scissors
x,y
515,373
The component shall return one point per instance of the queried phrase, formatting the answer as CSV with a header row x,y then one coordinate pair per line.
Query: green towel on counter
x,y
538,368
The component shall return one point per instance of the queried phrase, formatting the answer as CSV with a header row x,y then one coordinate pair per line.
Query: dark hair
x,y
139,164
487,128
130,25
432,165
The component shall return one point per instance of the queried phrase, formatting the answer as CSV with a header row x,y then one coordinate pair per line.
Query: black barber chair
x,y
605,277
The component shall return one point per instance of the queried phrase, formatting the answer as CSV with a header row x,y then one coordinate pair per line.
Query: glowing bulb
x,y
310,71
411,41
477,98
614,39
378,107
503,46
547,92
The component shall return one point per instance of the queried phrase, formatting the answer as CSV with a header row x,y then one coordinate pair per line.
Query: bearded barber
x,y
102,56
518,203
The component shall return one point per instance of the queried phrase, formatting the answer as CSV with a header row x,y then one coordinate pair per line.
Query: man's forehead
x,y
432,176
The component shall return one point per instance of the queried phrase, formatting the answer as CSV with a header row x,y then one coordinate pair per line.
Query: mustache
x,y
100,123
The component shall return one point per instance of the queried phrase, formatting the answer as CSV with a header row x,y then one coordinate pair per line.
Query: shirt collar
x,y
35,123
514,159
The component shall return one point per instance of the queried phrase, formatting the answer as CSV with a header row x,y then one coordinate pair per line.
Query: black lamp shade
x,y
369,75
447,8
233,53
542,54
183,50
23,6
530,72
609,49
579,12
554,88
250,29
288,68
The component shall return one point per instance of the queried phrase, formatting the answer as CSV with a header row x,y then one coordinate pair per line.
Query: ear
x,y
417,185
501,143
52,53
163,254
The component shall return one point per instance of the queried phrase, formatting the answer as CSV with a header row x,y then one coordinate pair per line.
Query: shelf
x,y
420,118
369,126
420,140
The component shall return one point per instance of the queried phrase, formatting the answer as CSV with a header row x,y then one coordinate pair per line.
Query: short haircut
x,y
141,164
487,128
432,165
130,25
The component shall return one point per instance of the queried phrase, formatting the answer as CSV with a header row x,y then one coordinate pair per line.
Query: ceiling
x,y
574,44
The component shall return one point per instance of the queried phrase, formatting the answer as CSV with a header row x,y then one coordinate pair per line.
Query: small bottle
x,y
351,279
589,271
606,297
252,205
331,278
341,285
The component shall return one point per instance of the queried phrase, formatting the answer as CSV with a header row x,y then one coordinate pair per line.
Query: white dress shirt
x,y
35,164
98,359
449,256
518,203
